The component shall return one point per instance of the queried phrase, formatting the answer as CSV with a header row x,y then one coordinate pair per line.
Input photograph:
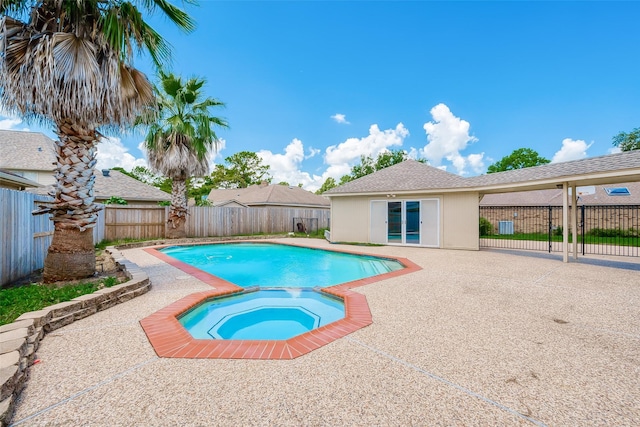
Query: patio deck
x,y
474,338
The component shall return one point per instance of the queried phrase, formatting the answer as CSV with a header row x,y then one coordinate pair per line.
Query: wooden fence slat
x,y
25,238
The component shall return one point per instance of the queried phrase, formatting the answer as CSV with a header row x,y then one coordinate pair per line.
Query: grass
x,y
105,243
543,237
33,297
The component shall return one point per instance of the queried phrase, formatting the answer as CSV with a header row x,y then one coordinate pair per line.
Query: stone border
x,y
19,340
170,339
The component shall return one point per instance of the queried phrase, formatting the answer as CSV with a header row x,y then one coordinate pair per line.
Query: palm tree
x,y
69,63
180,139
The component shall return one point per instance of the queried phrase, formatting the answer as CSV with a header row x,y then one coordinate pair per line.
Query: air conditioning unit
x,y
505,227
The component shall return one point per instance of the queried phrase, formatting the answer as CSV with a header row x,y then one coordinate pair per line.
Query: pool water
x,y
271,265
266,314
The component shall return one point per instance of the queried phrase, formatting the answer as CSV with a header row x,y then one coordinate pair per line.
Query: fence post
x,y
550,227
582,226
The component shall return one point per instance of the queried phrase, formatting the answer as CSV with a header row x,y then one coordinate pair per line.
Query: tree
x,y
518,159
628,141
68,63
368,165
327,185
244,168
180,137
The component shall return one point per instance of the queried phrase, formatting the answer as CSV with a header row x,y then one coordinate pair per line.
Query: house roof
x,y
118,184
229,203
554,197
413,176
409,175
26,151
121,185
276,195
612,168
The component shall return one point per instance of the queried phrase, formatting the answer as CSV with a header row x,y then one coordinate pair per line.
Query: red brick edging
x,y
170,339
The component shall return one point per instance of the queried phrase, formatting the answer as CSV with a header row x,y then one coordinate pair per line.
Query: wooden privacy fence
x,y
226,221
25,238
134,222
148,222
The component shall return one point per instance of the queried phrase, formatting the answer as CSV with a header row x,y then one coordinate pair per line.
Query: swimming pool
x,y
271,265
267,314
169,337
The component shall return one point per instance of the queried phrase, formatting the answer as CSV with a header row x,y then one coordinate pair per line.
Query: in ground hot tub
x,y
265,314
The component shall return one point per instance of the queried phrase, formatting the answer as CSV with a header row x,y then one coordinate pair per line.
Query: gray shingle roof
x,y
411,175
119,185
610,163
554,197
26,151
279,195
405,176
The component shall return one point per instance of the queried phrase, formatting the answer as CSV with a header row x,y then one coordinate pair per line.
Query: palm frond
x,y
180,142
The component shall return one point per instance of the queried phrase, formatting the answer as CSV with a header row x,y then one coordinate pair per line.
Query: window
x,y
618,191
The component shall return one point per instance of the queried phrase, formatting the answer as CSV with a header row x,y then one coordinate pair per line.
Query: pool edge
x,y
170,340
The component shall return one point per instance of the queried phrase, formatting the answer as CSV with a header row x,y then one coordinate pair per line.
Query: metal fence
x,y
25,238
604,230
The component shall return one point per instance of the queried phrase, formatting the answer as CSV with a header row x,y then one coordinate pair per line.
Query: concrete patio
x,y
474,338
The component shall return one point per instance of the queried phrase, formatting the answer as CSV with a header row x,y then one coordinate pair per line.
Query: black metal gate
x,y
604,230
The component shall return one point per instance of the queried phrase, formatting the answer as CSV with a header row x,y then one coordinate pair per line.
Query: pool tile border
x,y
170,339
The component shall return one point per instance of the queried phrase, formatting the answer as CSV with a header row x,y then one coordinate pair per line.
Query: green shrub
x,y
115,200
557,231
486,228
164,203
612,232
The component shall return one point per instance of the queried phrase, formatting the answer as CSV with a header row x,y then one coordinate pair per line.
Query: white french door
x,y
405,222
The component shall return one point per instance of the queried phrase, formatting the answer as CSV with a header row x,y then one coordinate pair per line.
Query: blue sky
x,y
311,86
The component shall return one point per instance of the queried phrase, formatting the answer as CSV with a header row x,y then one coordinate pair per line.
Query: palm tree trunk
x,y
176,224
71,254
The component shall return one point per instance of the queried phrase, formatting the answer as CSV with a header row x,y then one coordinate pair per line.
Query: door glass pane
x,y
394,215
413,223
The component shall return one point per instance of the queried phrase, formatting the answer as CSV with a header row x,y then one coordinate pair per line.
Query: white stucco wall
x,y
351,218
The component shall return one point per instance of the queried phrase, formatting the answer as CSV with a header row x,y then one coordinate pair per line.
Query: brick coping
x,y
170,339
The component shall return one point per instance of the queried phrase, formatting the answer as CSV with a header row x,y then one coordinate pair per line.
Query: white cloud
x,y
312,152
286,167
10,123
614,150
216,154
340,118
112,153
375,143
447,136
571,150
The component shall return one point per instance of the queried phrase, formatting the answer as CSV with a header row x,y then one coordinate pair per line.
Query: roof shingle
x,y
411,175
26,151
278,195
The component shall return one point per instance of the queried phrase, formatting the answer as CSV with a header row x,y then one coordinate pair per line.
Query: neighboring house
x,y
264,195
608,206
28,154
31,156
15,182
114,183
626,193
110,183
415,204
